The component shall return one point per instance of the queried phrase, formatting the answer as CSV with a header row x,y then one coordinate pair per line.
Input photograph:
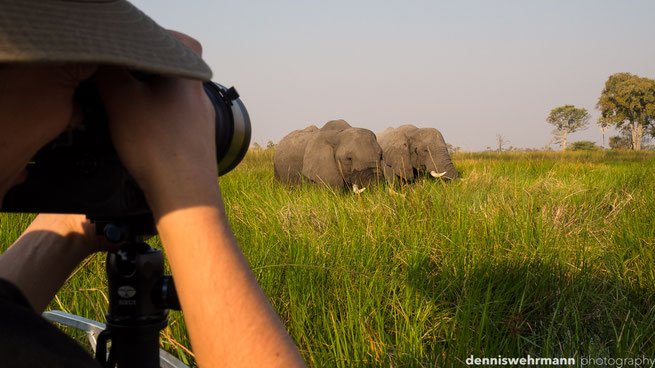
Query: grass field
x,y
541,254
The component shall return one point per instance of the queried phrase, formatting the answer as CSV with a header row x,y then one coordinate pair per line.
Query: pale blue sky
x,y
471,69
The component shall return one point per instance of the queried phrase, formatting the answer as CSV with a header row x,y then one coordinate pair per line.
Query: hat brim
x,y
113,32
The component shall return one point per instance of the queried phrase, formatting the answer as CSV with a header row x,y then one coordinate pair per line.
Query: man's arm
x,y
163,131
43,257
39,262
230,319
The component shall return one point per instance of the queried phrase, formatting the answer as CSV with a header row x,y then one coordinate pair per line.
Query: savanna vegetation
x,y
545,254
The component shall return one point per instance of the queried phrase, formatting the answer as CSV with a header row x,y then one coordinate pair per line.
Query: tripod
x,y
139,298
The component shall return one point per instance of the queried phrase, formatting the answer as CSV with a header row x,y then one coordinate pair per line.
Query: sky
x,y
472,69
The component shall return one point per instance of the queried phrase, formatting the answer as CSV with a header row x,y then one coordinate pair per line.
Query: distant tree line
x,y
627,103
269,146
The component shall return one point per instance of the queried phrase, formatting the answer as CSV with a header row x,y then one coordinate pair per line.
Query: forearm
x,y
229,318
41,260
164,132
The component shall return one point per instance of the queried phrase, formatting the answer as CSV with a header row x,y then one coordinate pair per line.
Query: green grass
x,y
541,254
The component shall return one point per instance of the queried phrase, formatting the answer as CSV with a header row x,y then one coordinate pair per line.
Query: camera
x,y
79,171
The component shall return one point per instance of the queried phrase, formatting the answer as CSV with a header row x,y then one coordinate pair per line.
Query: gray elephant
x,y
408,150
336,155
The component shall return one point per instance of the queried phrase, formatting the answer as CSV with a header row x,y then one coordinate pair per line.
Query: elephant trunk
x,y
366,177
440,163
403,168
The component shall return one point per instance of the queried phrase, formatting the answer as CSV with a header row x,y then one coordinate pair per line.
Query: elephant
x,y
288,155
336,155
336,125
408,151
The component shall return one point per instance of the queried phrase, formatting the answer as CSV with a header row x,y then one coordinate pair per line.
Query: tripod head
x,y
139,294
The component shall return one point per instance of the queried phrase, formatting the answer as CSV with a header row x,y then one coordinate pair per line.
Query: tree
x,y
501,141
628,103
567,119
603,126
270,145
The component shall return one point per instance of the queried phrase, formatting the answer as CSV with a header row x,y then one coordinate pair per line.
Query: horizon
x,y
471,69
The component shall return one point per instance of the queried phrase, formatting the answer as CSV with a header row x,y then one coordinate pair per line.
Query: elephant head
x,y
396,160
424,149
336,125
429,153
351,156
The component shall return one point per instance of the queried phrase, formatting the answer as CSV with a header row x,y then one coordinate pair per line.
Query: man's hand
x,y
37,105
164,133
47,252
76,230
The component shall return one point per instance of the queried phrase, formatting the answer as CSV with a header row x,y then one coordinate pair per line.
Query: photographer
x,y
163,131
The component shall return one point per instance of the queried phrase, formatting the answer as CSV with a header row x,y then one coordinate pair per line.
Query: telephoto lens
x,y
79,171
232,126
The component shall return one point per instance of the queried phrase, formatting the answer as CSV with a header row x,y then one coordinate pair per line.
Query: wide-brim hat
x,y
93,31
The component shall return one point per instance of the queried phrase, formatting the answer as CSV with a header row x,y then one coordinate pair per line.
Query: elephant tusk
x,y
356,189
393,193
435,175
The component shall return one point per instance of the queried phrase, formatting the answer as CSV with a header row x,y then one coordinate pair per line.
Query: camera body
x,y
80,172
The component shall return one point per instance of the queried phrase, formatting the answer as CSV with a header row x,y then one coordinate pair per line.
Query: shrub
x,y
620,142
584,146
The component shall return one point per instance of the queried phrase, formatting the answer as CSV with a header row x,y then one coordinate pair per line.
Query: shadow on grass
x,y
521,308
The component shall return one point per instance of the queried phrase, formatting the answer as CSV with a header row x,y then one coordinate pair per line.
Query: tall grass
x,y
541,254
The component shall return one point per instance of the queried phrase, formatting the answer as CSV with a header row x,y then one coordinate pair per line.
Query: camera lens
x,y
232,126
80,172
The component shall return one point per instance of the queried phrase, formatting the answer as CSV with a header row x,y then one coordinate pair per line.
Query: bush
x,y
584,146
620,142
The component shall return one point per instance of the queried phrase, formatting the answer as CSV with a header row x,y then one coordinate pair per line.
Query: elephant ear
x,y
395,155
397,159
319,164
414,141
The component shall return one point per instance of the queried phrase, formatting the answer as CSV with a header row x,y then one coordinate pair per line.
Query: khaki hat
x,y
94,31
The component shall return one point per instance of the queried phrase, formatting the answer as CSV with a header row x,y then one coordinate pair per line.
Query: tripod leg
x,y
91,327
101,350
93,330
